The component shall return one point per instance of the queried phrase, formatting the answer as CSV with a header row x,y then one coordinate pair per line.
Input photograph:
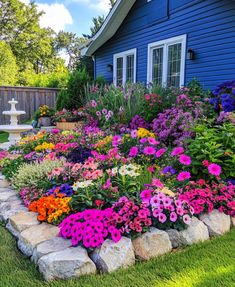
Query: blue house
x,y
168,42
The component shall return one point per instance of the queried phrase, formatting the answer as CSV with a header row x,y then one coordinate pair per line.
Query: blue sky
x,y
70,15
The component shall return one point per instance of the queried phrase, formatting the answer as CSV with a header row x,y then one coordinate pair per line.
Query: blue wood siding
x,y
210,29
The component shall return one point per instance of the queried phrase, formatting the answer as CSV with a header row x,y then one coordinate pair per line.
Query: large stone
x,y
4,183
175,238
21,221
53,245
6,214
31,237
195,232
7,195
112,256
68,263
217,222
152,244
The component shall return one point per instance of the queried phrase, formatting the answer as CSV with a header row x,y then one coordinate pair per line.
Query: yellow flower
x,y
44,146
144,133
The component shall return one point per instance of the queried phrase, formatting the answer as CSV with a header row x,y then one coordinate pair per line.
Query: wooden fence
x,y
29,99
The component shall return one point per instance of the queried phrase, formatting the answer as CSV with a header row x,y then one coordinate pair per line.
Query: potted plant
x,y
68,120
43,116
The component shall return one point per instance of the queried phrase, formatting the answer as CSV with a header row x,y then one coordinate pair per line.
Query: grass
x,y
3,137
209,264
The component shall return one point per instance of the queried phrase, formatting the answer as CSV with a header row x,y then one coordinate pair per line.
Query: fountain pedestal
x,y
14,129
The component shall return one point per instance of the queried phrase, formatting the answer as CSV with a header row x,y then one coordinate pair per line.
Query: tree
x,y
8,67
31,44
69,43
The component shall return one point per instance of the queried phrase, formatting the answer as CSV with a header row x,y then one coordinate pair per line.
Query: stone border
x,y
57,259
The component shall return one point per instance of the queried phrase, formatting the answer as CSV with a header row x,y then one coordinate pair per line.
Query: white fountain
x,y
13,129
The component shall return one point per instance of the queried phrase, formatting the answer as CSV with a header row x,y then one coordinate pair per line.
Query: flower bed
x,y
126,192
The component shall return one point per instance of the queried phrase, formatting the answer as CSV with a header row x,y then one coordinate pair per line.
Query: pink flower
x,y
147,97
214,169
150,169
133,151
162,217
143,140
186,219
177,151
116,235
134,134
152,141
160,152
173,217
156,182
146,195
185,159
104,112
184,175
149,150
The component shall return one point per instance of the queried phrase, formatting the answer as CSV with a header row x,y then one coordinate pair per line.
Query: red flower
x,y
99,202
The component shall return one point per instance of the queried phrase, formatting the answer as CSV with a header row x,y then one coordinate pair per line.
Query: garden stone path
x,y
56,259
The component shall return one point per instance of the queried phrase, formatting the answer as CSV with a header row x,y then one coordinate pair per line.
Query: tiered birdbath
x,y
14,129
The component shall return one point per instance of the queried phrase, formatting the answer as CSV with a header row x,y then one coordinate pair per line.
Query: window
x,y
166,62
124,67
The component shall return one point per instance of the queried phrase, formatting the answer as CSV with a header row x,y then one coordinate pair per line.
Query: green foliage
x,y
11,166
35,174
73,96
215,144
8,66
121,103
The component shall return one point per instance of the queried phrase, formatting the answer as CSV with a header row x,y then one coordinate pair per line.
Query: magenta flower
x,y
152,141
143,140
184,175
149,150
185,159
146,195
160,152
156,182
133,151
177,151
214,169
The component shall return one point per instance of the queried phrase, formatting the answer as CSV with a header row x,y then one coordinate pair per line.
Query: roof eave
x,y
109,27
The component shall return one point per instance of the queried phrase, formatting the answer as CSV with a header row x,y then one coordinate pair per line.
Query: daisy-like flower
x,y
184,175
149,150
185,159
214,169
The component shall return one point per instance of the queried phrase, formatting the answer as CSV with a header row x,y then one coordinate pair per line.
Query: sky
x,y
70,15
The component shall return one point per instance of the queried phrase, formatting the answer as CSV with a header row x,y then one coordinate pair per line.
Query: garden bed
x,y
57,259
124,187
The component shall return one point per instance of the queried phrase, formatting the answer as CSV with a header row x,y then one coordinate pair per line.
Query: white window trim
x,y
124,56
165,43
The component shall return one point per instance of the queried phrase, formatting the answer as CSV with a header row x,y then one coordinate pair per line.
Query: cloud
x,y
100,5
56,16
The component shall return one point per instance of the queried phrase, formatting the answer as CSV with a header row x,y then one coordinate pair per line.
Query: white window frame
x,y
165,44
124,56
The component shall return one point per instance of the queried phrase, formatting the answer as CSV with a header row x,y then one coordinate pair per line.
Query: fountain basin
x,y
14,113
15,132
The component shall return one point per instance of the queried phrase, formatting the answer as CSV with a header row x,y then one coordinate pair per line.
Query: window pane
x,y
130,68
119,71
157,66
174,63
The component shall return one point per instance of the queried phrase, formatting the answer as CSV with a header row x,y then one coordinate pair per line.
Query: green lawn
x,y
208,264
3,137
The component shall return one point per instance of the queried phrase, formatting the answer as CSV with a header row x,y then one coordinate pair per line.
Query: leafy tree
x,y
8,67
70,43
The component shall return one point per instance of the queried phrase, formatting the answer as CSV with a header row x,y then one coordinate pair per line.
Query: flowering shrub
x,y
224,97
30,194
175,125
203,197
35,174
216,145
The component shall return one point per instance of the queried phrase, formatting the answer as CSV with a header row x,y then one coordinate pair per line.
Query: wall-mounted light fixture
x,y
190,54
109,68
